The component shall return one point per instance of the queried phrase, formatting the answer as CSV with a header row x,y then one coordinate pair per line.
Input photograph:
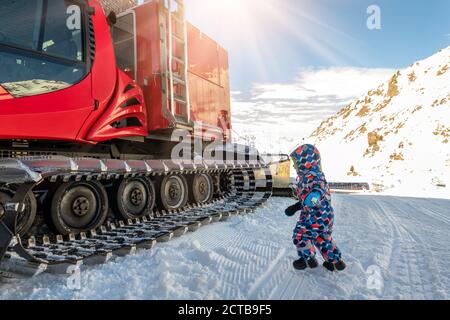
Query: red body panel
x,y
102,130
108,85
208,72
148,62
4,95
53,116
208,80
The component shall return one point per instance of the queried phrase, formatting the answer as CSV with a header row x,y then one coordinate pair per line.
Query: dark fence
x,y
349,186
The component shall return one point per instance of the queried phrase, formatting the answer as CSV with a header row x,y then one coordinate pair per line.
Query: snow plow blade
x,y
15,172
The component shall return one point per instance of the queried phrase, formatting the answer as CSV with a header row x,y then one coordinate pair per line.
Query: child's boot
x,y
339,266
303,264
300,264
312,263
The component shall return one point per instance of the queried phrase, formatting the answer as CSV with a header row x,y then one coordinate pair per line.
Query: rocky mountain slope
x,y
397,136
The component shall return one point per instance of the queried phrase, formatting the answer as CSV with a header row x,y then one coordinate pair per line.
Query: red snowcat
x,y
114,133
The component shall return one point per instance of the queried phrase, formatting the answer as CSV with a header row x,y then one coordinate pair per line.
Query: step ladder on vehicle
x,y
174,62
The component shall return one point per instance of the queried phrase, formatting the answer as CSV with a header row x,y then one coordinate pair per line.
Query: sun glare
x,y
228,15
239,25
250,27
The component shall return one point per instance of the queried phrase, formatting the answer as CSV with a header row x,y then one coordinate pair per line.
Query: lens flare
x,y
245,26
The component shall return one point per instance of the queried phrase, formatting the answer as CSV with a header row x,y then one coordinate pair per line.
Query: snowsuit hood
x,y
307,159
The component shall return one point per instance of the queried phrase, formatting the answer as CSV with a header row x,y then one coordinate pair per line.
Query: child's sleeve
x,y
313,199
319,187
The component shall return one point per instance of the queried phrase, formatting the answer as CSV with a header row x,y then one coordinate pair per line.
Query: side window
x,y
62,36
20,22
41,46
52,26
124,43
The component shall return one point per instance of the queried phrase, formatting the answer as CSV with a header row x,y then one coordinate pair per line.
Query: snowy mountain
x,y
397,136
276,117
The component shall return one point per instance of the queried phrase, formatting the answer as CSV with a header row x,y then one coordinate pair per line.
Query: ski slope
x,y
395,248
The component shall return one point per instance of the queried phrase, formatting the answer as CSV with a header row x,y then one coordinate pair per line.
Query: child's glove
x,y
313,199
293,209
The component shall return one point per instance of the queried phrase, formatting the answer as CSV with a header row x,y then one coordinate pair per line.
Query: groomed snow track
x,y
63,255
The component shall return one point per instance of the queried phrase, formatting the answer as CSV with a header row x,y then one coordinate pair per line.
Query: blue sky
x,y
271,41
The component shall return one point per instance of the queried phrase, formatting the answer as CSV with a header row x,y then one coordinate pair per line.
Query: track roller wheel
x,y
78,207
133,198
26,218
173,192
202,188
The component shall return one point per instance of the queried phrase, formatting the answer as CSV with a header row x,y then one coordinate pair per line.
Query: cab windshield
x,y
41,46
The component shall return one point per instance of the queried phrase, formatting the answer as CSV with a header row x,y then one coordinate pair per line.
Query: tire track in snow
x,y
409,259
421,261
288,285
386,249
441,215
263,277
399,263
244,247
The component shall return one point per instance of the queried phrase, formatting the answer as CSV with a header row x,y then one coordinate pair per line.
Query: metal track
x,y
63,255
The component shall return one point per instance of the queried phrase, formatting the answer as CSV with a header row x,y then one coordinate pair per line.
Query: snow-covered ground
x,y
395,248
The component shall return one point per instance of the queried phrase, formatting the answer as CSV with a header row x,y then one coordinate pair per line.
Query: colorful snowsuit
x,y
315,224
